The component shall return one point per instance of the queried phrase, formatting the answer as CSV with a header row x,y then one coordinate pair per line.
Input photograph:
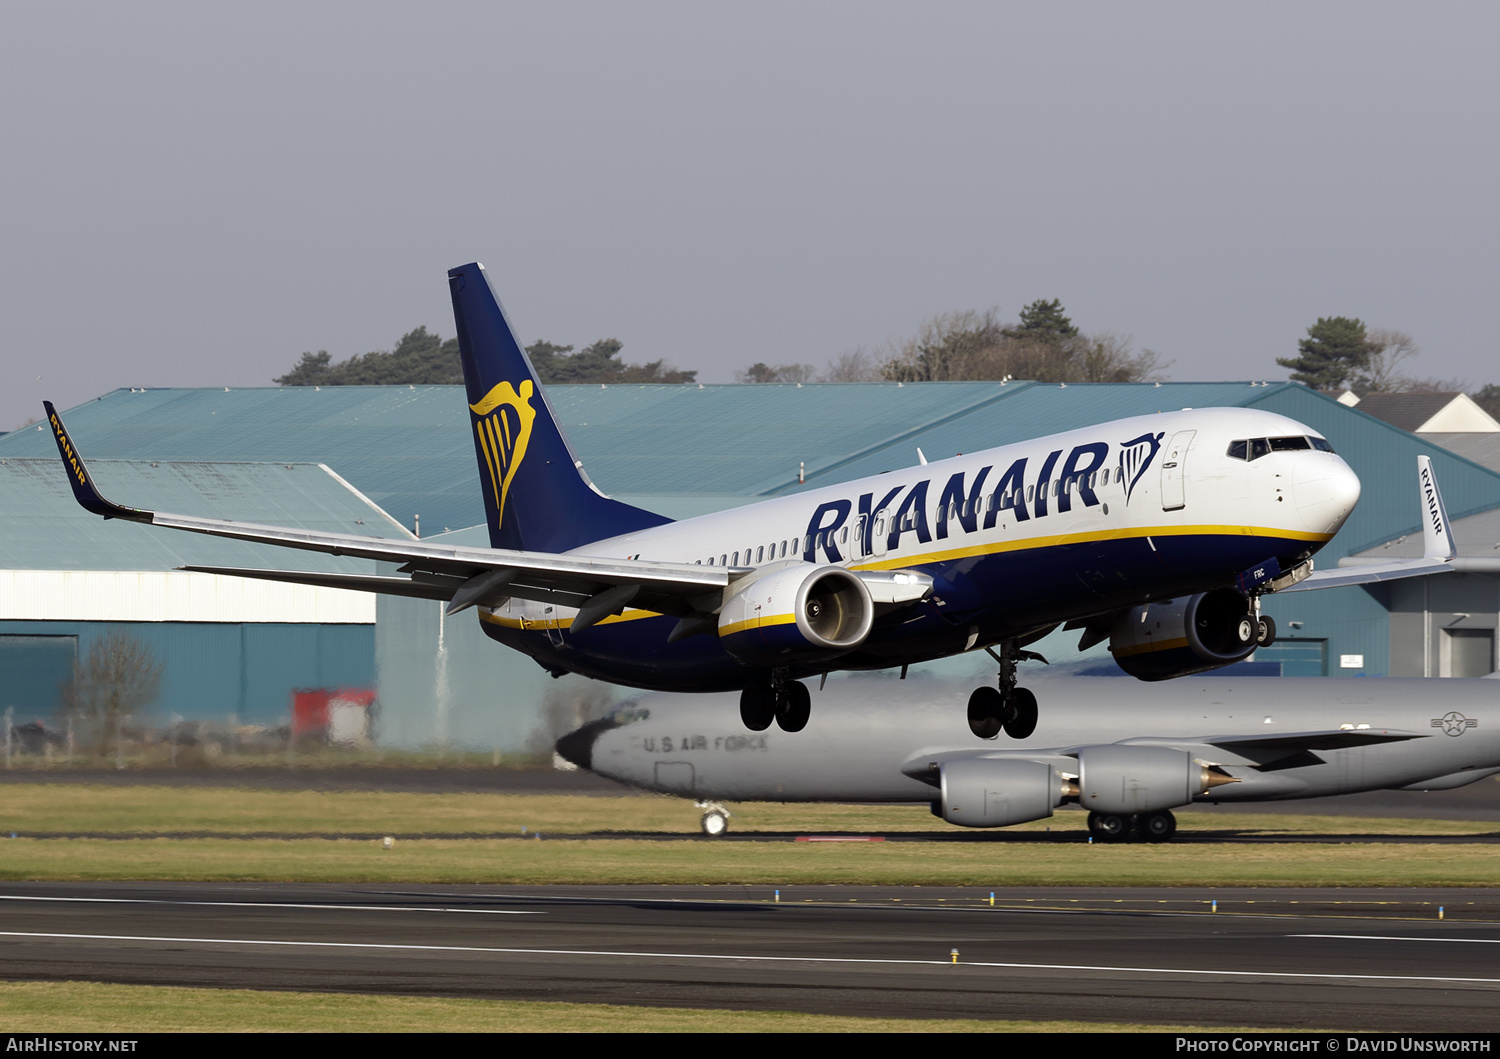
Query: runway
x,y
1299,959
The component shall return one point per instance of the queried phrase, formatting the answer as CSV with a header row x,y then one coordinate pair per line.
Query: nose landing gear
x,y
1005,708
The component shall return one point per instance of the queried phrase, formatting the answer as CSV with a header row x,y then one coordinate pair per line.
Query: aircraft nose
x,y
578,745
1325,489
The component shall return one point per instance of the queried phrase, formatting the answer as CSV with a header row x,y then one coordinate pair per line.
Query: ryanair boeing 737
x,y
1158,533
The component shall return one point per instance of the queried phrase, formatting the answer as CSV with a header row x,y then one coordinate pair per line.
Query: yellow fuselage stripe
x,y
993,548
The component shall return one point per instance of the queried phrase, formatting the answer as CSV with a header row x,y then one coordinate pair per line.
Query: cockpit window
x,y
1255,448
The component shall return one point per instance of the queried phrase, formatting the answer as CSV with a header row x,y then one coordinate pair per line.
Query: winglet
x,y
1437,532
79,478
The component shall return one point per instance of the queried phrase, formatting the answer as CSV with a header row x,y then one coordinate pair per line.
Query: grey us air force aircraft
x,y
1126,752
1193,514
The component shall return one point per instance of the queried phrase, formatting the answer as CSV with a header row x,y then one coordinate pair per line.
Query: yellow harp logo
x,y
502,423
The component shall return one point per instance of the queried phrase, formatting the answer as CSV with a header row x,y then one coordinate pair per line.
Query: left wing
x,y
466,577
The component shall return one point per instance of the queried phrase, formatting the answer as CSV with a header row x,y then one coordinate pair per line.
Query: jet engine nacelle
x,y
798,613
994,792
1118,778
1177,637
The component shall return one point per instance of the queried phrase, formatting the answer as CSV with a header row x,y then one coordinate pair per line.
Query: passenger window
x,y
760,554
723,560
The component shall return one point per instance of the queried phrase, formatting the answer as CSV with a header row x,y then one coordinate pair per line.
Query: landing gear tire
x,y
715,822
1023,714
793,706
1157,827
1265,634
757,707
985,706
1110,827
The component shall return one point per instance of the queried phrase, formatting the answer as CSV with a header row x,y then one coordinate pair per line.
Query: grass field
x,y
43,807
997,861
91,1007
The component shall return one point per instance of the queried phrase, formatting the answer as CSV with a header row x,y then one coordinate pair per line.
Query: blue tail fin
x,y
536,496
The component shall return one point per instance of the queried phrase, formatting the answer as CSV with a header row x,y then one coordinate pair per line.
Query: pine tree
x,y
1335,348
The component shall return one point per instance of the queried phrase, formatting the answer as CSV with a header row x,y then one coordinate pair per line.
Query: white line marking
x,y
744,958
1382,937
268,904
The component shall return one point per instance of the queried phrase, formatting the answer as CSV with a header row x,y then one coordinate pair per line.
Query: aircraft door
x,y
1174,470
879,533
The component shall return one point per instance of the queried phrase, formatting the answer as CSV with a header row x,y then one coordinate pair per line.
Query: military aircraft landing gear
x,y
787,702
715,818
1007,707
1110,827
1122,827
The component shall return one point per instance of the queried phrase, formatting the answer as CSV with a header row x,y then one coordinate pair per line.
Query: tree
x,y
1489,399
1043,321
423,358
420,358
597,363
1045,346
852,365
1381,372
759,372
1336,348
118,675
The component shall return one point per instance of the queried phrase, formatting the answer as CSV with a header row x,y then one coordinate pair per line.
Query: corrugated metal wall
x,y
213,670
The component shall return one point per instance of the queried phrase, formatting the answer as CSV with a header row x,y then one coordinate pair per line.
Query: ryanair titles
x,y
880,523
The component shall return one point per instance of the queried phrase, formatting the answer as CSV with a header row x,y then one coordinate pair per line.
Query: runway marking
x,y
750,958
270,904
1382,937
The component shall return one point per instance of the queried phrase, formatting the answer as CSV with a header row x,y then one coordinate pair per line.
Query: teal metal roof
x,y
43,528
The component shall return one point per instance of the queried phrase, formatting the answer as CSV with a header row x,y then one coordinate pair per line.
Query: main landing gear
x,y
1145,827
787,702
1007,707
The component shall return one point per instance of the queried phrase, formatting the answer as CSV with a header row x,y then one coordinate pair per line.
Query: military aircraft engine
x,y
1123,779
796,614
994,792
1178,637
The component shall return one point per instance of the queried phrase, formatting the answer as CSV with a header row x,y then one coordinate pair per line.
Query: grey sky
x,y
196,193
